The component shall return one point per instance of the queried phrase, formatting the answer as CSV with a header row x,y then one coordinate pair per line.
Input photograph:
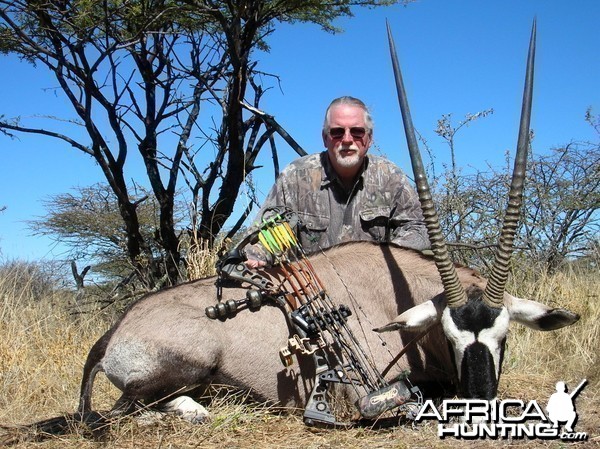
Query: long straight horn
x,y
494,292
455,293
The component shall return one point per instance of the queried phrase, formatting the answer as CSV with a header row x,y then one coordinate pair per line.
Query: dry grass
x,y
44,347
201,257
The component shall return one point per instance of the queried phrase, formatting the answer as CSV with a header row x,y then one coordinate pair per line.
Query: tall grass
x,y
44,346
201,257
539,359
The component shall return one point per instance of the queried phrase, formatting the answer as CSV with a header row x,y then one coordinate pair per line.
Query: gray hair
x,y
352,101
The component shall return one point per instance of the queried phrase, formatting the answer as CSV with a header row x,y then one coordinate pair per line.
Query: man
x,y
561,407
342,194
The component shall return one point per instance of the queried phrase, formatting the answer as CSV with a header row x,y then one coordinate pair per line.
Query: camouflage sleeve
x,y
257,252
408,225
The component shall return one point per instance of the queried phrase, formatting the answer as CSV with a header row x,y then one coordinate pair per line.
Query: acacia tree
x,y
561,211
137,74
88,221
456,200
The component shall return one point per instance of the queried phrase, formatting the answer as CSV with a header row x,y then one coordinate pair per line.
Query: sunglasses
x,y
356,132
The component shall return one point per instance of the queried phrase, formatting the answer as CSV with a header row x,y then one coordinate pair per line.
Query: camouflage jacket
x,y
382,206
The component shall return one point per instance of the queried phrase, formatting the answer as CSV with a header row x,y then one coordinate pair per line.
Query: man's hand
x,y
252,263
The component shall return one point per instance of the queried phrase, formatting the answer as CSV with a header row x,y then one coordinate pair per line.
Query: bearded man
x,y
343,194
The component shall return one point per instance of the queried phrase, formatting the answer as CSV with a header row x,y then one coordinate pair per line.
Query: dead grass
x,y
44,347
201,257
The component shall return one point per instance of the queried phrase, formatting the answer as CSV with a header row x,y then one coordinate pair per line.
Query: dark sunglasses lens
x,y
357,133
337,133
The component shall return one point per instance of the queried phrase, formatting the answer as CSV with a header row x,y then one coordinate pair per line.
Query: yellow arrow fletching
x,y
264,242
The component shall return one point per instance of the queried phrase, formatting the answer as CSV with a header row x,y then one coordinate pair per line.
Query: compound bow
x,y
321,328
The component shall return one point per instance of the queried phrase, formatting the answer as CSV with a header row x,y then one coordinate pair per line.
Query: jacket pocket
x,y
376,221
313,230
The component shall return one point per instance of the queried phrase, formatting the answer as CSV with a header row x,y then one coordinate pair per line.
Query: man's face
x,y
347,140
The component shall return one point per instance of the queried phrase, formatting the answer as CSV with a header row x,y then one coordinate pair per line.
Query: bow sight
x,y
321,327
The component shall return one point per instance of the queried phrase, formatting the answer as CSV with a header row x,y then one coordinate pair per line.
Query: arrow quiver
x,y
321,327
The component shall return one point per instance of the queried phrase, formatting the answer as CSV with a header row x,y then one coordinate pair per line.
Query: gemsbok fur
x,y
165,345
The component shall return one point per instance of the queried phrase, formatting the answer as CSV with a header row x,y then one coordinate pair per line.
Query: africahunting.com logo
x,y
509,418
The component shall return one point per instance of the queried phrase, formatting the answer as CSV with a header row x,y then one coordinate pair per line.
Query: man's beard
x,y
349,161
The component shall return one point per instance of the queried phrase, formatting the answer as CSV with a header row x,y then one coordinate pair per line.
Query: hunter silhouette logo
x,y
561,405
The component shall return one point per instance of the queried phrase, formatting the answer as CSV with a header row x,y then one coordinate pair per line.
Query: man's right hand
x,y
253,264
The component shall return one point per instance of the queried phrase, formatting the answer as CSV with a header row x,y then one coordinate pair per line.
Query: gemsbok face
x,y
475,321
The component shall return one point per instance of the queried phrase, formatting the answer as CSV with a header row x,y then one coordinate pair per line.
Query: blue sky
x,y
458,57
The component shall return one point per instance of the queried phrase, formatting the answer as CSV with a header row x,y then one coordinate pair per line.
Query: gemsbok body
x,y
165,345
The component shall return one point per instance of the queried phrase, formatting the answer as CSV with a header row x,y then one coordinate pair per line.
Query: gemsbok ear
x,y
539,316
417,318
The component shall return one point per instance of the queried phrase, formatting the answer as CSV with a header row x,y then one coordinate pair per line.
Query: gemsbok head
x,y
475,321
